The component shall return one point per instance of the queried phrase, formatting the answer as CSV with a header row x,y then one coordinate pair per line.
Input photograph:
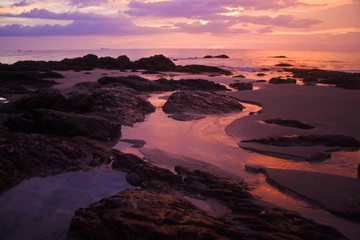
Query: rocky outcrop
x,y
201,69
242,86
197,102
192,84
117,104
24,156
280,80
284,65
339,79
135,82
155,63
217,56
289,123
155,213
139,214
310,140
20,82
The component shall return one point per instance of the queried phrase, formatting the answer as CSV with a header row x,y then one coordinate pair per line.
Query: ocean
x,y
240,59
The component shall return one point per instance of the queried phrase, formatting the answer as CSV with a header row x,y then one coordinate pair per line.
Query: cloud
x,y
86,3
209,27
45,14
200,8
119,26
21,4
281,20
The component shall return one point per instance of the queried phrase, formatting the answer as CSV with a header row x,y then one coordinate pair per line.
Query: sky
x,y
137,24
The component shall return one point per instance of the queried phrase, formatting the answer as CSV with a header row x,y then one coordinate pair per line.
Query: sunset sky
x,y
239,24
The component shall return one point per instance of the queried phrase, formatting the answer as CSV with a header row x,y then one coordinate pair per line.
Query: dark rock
x,y
260,80
358,170
201,69
200,103
150,72
310,140
40,99
135,82
155,63
125,161
186,116
239,76
139,214
261,74
280,56
23,156
280,80
265,69
50,74
221,56
317,157
192,84
242,86
208,56
340,79
71,124
117,104
289,123
284,65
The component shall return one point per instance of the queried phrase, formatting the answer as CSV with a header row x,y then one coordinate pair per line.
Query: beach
x,y
211,153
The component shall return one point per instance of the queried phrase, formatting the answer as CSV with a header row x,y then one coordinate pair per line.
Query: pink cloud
x,y
86,3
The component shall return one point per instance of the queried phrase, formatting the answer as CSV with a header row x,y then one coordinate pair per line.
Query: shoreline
x,y
168,180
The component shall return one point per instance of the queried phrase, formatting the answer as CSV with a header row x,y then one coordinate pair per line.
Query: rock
x,y
358,170
317,157
135,82
242,86
135,142
239,76
139,214
265,69
284,65
289,123
40,99
200,103
280,80
117,104
72,124
311,140
33,155
260,80
155,63
186,116
218,56
201,69
192,84
340,79
280,56
261,74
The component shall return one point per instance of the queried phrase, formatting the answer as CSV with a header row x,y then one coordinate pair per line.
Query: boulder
x,y
289,123
284,65
242,86
201,69
198,102
140,214
155,63
280,80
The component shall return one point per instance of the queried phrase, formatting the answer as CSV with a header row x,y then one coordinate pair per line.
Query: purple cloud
x,y
45,14
281,20
118,26
21,4
86,3
210,27
201,8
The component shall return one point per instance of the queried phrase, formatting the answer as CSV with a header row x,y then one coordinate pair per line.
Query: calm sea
x,y
240,59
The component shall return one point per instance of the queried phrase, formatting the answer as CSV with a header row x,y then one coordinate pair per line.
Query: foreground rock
x,y
155,213
342,198
139,214
339,79
289,123
197,102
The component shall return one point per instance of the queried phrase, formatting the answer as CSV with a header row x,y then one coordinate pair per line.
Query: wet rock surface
x,y
156,213
289,123
198,102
